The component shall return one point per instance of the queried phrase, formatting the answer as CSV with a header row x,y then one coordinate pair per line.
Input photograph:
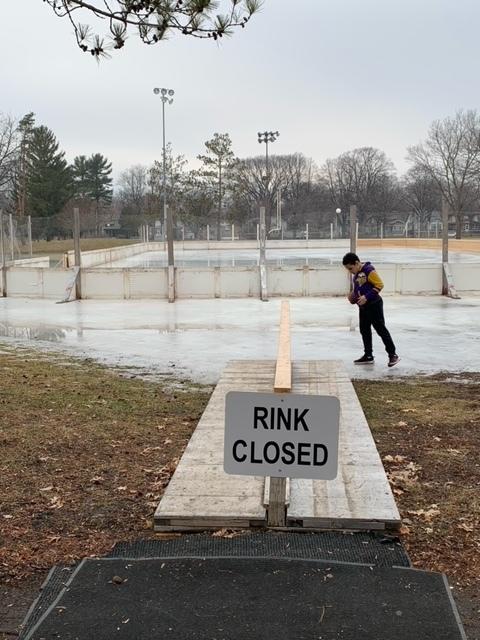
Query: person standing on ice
x,y
367,285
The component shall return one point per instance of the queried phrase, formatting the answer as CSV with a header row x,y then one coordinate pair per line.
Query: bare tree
x,y
359,177
291,177
249,188
133,189
9,145
154,20
299,189
450,155
421,194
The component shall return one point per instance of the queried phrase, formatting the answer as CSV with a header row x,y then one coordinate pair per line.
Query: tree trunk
x,y
219,216
459,224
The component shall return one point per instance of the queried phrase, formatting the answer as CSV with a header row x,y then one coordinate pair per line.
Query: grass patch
x,y
86,455
427,432
56,248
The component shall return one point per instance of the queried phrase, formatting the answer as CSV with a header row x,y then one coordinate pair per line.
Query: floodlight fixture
x,y
165,94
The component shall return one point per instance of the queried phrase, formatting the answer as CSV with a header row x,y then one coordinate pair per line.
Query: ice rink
x,y
284,257
195,338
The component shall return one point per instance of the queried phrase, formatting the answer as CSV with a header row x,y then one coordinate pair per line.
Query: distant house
x,y
112,230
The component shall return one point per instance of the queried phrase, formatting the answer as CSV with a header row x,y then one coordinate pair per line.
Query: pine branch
x,y
152,19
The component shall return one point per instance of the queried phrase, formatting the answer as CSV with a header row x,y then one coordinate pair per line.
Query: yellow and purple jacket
x,y
366,283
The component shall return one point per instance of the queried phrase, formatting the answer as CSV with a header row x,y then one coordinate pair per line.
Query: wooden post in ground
x,y
29,226
12,236
283,371
171,263
78,254
445,211
3,258
262,262
448,286
353,228
277,487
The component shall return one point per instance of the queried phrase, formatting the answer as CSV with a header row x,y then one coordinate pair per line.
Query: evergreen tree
x,y
100,181
80,174
100,178
50,184
217,165
25,131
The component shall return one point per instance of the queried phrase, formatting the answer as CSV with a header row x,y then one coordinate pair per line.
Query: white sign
x,y
281,435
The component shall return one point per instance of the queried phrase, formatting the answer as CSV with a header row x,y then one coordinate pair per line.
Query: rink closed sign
x,y
281,435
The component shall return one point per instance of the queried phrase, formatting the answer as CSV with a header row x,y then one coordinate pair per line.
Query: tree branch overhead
x,y
153,20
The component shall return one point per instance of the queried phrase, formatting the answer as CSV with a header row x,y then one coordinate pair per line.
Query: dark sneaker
x,y
392,360
364,360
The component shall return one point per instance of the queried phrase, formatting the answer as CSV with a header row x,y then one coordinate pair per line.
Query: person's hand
x,y
361,301
352,298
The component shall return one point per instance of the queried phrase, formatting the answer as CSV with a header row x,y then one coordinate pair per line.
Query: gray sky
x,y
330,75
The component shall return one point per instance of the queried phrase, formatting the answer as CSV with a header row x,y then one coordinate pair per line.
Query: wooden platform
x,y
201,496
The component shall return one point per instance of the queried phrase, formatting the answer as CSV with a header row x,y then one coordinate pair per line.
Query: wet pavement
x,y
196,338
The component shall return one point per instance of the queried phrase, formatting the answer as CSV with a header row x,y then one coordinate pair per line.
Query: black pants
x,y
371,315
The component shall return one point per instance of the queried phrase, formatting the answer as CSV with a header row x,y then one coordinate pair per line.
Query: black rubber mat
x,y
249,599
56,580
367,548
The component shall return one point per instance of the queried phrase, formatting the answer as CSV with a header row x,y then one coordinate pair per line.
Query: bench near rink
x,y
202,496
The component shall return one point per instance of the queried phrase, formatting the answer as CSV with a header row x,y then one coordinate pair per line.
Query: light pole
x,y
166,95
338,211
266,137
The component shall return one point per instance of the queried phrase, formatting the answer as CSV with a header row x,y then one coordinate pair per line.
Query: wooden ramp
x,y
201,496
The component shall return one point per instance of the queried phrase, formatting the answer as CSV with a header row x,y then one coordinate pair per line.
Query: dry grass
x,y
427,431
56,248
471,245
86,455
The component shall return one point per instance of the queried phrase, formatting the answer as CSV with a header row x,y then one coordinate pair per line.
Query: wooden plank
x,y
361,493
200,494
276,511
283,371
447,274
71,281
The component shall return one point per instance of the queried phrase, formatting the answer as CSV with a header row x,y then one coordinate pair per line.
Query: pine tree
x,y
217,164
50,184
25,130
100,181
80,174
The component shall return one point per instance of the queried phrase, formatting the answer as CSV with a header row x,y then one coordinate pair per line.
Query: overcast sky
x,y
330,75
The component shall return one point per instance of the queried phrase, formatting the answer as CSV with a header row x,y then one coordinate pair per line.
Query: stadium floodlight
x,y
164,93
266,137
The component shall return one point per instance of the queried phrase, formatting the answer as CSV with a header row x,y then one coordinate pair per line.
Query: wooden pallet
x,y
201,496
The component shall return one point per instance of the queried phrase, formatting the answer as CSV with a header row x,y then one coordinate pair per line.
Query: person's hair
x,y
350,258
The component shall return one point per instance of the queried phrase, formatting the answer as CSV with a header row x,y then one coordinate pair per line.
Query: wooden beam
x,y
277,487
283,371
